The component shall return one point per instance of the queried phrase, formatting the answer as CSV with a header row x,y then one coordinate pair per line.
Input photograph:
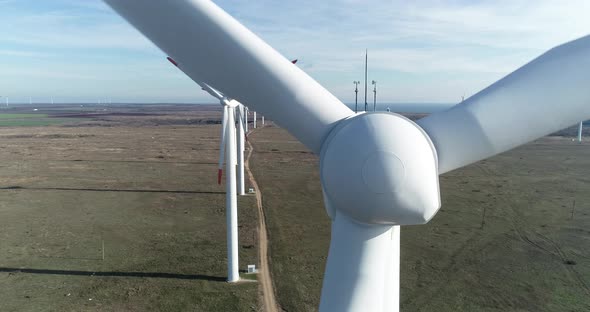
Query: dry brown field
x,y
512,235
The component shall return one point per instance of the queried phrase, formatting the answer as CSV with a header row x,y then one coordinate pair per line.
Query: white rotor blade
x,y
216,49
548,94
222,145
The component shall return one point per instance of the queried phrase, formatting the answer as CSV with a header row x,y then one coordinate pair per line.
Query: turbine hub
x,y
373,167
380,168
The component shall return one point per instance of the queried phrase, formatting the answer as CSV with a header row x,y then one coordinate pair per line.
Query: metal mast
x,y
366,58
374,95
356,96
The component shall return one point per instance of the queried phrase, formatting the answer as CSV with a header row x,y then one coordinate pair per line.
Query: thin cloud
x,y
24,53
418,50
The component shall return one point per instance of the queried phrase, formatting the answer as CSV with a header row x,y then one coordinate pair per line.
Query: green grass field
x,y
32,120
22,116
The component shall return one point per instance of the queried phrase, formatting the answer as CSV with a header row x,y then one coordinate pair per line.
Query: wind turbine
x,y
378,170
254,120
227,150
241,147
580,131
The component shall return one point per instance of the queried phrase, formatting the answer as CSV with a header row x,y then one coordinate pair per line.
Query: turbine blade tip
x,y
172,61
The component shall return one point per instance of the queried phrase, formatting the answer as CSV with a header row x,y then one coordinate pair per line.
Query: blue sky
x,y
419,51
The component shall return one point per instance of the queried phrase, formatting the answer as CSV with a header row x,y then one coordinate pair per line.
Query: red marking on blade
x,y
294,61
172,61
219,173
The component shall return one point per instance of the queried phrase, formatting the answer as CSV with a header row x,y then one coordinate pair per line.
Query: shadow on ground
x,y
116,274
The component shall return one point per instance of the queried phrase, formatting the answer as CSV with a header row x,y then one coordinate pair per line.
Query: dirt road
x,y
269,302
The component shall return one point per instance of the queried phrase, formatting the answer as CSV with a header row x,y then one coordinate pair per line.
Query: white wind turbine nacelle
x,y
390,157
390,171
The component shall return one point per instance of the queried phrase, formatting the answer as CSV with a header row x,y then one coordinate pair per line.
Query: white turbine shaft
x,y
241,133
231,198
262,120
360,255
254,120
392,284
580,131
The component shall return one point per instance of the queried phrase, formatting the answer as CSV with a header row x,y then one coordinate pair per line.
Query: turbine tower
x,y
378,170
580,131
231,194
254,120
